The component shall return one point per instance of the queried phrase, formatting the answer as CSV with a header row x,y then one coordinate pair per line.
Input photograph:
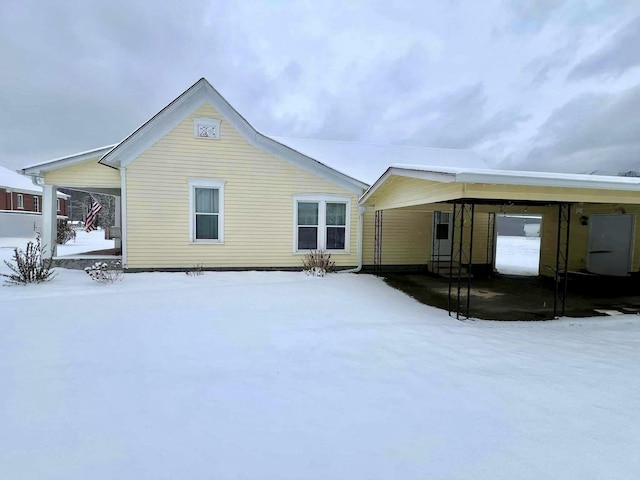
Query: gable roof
x,y
202,92
368,161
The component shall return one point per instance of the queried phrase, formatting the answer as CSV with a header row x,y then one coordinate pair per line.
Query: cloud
x,y
620,54
458,119
532,15
594,133
543,67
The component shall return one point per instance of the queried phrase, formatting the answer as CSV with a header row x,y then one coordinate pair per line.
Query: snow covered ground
x,y
517,255
85,242
272,375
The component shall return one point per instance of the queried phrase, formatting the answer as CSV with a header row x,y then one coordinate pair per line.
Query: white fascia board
x,y
440,177
39,168
547,180
197,95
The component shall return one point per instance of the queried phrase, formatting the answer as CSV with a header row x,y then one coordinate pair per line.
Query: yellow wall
x,y
258,202
399,192
85,174
406,237
520,192
578,242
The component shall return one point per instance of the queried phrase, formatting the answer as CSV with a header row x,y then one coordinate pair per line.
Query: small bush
x,y
318,263
29,266
103,272
196,271
65,233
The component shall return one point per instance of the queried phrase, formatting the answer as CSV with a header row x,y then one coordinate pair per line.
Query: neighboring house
x,y
518,225
21,205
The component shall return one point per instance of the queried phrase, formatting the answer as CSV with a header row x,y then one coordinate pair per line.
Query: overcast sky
x,y
540,84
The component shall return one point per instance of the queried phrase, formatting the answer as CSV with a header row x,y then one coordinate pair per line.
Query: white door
x,y
610,244
442,229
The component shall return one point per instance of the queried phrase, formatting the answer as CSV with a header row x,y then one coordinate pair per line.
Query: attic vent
x,y
206,128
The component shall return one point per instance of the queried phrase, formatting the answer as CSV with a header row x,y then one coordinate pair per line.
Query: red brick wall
x,y
6,197
63,207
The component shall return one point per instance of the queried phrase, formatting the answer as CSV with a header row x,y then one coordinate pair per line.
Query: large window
x,y
321,223
206,211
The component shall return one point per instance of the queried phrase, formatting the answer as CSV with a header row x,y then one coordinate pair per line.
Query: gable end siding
x,y
258,213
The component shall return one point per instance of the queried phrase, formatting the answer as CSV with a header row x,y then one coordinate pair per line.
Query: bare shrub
x,y
103,272
196,271
318,263
65,232
29,265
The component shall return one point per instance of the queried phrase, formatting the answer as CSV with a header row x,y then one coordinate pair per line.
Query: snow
x,y
470,174
85,242
11,179
274,375
517,255
21,183
366,162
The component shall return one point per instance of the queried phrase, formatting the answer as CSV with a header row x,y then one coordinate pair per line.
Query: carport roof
x,y
487,176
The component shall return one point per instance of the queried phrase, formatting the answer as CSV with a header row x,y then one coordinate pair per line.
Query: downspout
x,y
123,215
361,211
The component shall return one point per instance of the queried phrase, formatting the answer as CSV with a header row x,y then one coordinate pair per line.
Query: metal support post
x,y
377,244
562,260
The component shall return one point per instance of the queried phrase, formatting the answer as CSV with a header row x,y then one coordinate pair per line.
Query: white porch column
x,y
49,219
118,221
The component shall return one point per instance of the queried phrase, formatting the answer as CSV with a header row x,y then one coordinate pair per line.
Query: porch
x,y
511,297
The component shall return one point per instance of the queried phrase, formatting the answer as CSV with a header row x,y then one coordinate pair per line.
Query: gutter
x,y
361,211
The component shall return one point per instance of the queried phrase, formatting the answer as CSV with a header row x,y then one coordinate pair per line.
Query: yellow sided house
x,y
198,186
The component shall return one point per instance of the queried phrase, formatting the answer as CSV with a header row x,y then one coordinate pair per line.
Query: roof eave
x,y
39,168
195,96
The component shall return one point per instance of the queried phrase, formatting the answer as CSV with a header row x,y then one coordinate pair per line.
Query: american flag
x,y
92,216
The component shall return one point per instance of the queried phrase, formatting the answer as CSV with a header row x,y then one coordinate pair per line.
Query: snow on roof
x,y
14,181
522,177
366,161
74,157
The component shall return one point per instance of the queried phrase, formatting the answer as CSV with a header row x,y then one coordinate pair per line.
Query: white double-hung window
x,y
206,211
321,223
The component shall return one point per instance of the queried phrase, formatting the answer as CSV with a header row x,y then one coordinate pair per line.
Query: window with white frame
x,y
321,223
58,204
206,206
36,203
19,201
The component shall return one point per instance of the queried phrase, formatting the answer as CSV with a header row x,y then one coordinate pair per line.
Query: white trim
x,y
36,203
506,177
188,102
123,215
58,205
206,183
322,199
19,201
38,168
209,122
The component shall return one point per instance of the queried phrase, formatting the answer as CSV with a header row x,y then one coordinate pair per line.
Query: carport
x,y
588,230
